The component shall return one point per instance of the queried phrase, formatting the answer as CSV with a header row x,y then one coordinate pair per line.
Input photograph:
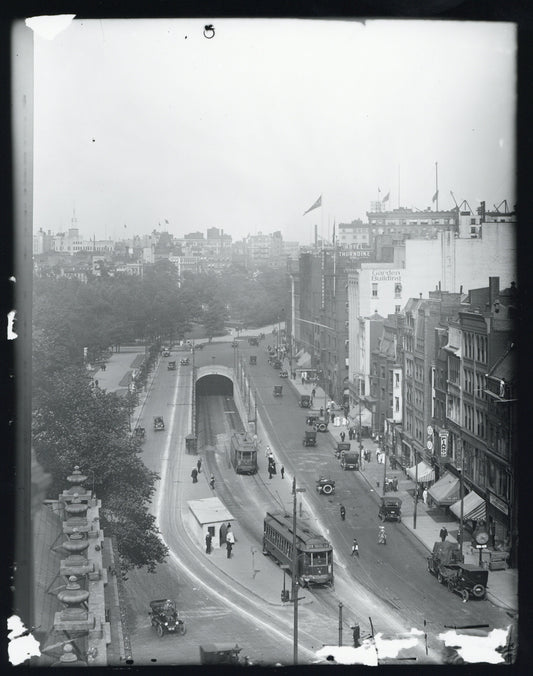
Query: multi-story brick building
x,y
479,446
422,317
386,380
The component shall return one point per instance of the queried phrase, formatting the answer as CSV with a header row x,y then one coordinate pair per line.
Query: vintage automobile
x,y
158,423
139,433
165,618
165,352
309,438
326,486
283,374
318,422
253,340
467,580
390,509
278,390
220,653
171,366
342,448
276,364
253,360
391,484
305,401
444,555
234,344
350,460
184,361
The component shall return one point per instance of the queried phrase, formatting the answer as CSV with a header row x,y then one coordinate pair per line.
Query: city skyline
x,y
138,122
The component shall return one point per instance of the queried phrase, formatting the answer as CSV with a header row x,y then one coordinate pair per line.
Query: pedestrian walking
x,y
355,547
303,379
199,465
230,541
343,436
443,533
313,392
208,539
332,417
343,512
194,475
282,472
321,411
212,481
268,452
425,496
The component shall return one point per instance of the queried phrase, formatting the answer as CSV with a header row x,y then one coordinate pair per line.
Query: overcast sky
x,y
138,122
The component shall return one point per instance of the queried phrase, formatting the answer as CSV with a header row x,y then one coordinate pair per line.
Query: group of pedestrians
x,y
229,538
197,470
272,464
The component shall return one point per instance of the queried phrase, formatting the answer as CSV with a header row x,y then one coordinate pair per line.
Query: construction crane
x,y
453,197
497,208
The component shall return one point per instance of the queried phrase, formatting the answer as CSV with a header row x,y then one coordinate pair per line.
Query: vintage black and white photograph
x,y
273,351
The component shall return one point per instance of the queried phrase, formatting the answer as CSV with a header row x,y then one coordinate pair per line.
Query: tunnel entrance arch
x,y
214,380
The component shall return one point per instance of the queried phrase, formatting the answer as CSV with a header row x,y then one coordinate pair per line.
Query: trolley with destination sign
x,y
314,554
243,454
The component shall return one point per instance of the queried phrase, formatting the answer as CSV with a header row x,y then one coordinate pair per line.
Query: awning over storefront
x,y
446,491
473,507
366,416
424,473
304,360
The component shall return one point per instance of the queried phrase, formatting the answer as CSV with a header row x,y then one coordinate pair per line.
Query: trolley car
x,y
243,454
314,554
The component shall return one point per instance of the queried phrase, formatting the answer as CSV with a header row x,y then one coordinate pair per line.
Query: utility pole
x,y
416,490
295,571
340,624
294,576
461,495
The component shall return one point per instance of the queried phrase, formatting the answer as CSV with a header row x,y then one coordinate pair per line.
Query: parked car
x,y
350,460
171,366
283,374
305,401
390,509
468,580
444,554
139,433
165,618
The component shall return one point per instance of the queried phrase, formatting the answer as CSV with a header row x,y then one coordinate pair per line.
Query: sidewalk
x,y
259,575
502,588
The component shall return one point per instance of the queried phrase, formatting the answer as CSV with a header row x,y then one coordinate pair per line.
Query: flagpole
x,y
437,185
398,186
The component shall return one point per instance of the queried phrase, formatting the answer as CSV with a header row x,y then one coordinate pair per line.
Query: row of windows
x,y
475,346
278,540
397,290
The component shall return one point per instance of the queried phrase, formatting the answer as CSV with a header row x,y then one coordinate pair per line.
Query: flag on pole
x,y
386,198
435,196
317,204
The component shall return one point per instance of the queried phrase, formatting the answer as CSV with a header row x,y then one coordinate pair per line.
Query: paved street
x,y
390,584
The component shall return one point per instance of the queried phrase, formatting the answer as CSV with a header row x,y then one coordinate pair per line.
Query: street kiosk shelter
x,y
209,515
